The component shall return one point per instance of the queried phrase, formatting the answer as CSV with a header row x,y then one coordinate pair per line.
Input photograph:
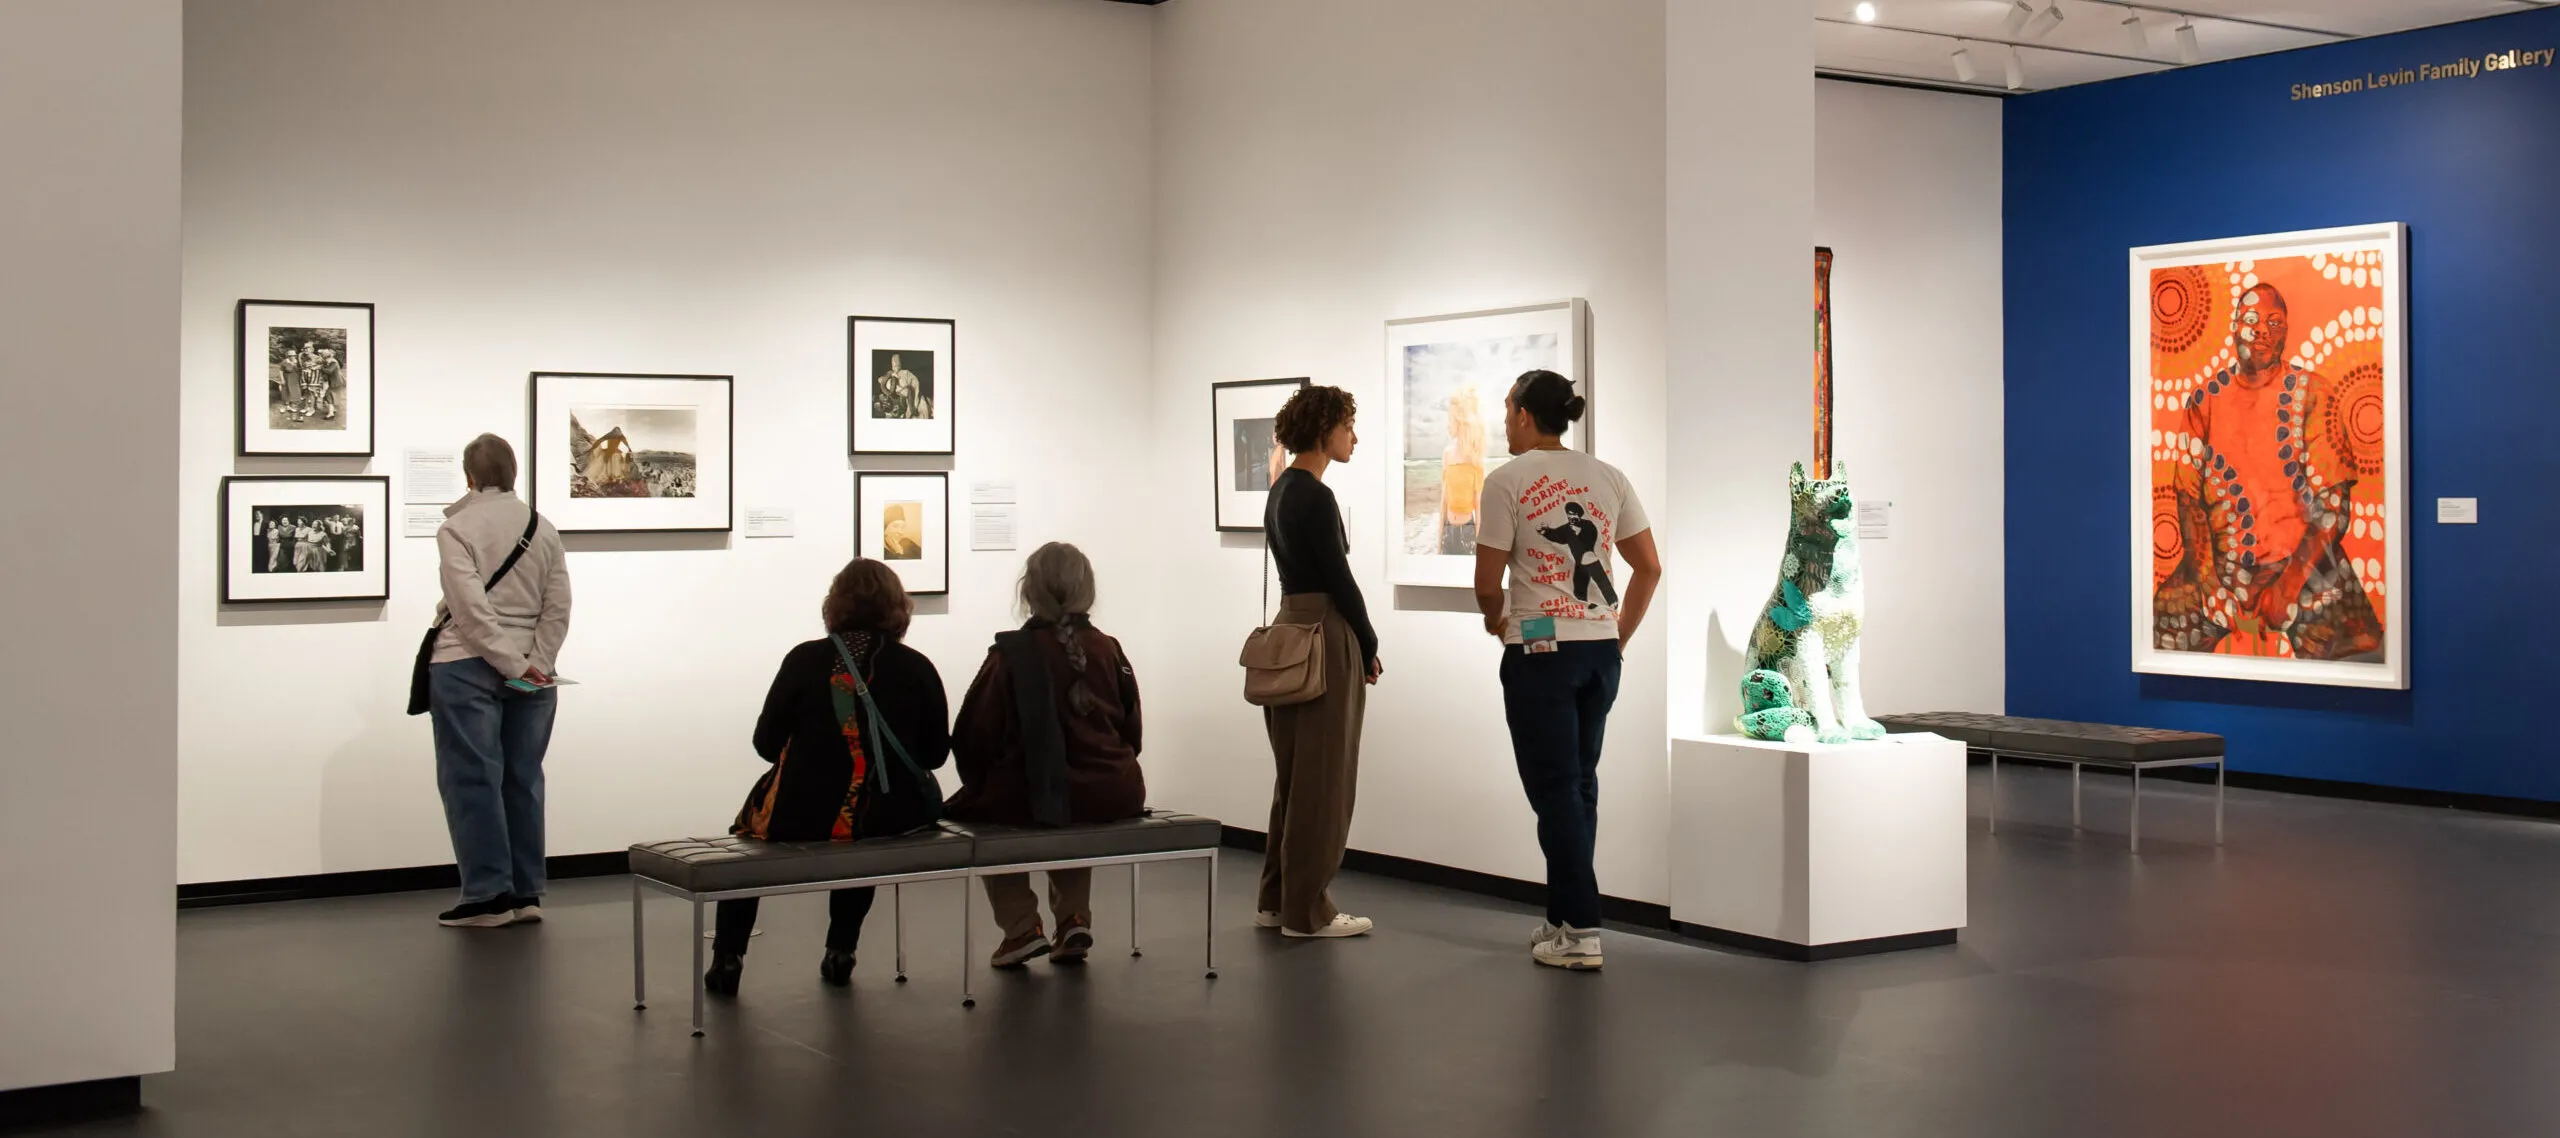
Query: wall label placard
x,y
2457,511
2465,67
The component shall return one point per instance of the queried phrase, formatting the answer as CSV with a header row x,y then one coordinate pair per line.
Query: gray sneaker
x,y
1569,948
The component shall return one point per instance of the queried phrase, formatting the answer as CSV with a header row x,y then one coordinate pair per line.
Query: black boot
x,y
837,967
722,978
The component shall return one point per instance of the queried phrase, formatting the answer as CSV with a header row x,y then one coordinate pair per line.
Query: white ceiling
x,y
2089,25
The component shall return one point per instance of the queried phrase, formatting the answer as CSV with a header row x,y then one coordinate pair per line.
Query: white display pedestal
x,y
1811,851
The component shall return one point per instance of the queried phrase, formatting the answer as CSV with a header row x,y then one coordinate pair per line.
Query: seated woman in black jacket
x,y
834,777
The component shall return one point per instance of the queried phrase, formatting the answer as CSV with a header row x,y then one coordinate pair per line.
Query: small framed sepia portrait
x,y
1245,453
287,539
902,385
904,520
303,370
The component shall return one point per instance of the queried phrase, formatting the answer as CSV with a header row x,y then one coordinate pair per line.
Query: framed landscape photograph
x,y
1245,455
304,376
287,539
618,453
2270,458
902,385
1446,377
905,520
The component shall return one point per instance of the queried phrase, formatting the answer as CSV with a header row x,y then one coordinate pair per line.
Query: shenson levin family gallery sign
x,y
2466,67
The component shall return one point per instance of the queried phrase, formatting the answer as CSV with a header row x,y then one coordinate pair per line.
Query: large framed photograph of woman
x,y
303,370
905,520
1446,377
287,539
627,453
902,385
1246,456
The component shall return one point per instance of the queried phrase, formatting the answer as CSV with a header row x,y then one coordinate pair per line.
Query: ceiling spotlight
x,y
2019,13
2134,35
1963,59
1865,12
2017,71
2188,51
2045,21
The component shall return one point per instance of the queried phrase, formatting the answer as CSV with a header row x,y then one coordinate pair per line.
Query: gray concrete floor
x,y
2338,969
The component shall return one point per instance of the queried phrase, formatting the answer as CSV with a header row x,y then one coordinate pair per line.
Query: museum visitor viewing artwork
x,y
631,453
2269,387
288,538
905,520
901,385
1446,379
1247,454
305,375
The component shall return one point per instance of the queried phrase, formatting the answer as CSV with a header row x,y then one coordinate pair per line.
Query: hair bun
x,y
1573,407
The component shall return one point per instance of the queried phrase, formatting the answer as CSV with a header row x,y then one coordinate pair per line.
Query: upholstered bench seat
x,y
999,845
2135,749
718,865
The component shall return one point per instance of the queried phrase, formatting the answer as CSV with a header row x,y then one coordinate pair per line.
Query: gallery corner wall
x,y
2231,150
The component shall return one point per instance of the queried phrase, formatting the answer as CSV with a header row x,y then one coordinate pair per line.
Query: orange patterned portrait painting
x,y
2268,384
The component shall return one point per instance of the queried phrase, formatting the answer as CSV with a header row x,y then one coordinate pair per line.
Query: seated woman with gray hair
x,y
1048,735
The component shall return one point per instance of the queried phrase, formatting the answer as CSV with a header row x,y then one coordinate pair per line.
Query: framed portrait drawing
x,y
303,370
1246,455
617,453
2270,458
287,539
1446,377
902,385
905,520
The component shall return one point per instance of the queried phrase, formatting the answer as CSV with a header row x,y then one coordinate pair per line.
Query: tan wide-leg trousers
x,y
1018,912
1315,752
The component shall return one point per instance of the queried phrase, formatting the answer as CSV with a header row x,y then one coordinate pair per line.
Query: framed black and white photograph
x,y
622,453
1246,455
905,520
902,385
288,538
304,372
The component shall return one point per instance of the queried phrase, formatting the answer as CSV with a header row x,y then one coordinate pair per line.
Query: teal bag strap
x,y
878,728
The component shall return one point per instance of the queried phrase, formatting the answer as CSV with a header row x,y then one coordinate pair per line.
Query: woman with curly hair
x,y
1315,746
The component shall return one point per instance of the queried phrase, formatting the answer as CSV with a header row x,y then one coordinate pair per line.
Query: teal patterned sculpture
x,y
1803,655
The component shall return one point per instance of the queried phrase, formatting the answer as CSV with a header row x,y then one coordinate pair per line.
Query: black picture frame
x,y
861,510
1217,431
380,485
240,379
531,476
946,403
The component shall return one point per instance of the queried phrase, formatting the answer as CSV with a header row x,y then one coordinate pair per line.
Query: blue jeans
x,y
1558,706
489,744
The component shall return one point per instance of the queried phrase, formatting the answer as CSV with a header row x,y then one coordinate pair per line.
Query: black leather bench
x,y
705,870
2135,749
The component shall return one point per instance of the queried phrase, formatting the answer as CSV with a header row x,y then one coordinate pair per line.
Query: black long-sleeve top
x,y
1309,546
800,714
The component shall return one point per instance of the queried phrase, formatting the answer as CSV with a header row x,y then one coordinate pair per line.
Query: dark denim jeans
x,y
490,739
1558,706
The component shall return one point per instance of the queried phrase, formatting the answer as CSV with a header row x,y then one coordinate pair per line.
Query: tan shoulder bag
x,y
1283,663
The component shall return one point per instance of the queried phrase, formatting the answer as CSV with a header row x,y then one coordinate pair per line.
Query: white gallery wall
x,y
89,358
644,186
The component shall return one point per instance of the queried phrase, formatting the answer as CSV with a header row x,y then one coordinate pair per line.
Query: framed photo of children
x,y
2270,458
304,373
288,538
902,385
1246,456
1446,379
905,520
621,453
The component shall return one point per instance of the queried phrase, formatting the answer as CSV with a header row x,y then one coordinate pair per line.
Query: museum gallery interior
x,y
2090,449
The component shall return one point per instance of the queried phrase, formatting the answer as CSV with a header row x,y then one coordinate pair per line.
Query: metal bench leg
x,y
1995,792
968,944
1212,916
2075,796
639,959
1133,910
2217,802
898,922
2137,810
697,968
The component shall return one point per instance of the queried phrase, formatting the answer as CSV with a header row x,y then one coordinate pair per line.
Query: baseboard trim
x,y
412,879
70,1102
1618,910
1810,953
2331,788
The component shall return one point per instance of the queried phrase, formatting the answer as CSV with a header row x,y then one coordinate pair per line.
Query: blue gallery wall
x,y
2473,167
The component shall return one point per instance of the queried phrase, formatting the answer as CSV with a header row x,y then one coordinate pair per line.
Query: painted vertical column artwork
x,y
1821,363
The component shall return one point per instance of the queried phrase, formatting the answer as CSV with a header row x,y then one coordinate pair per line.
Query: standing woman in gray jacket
x,y
489,686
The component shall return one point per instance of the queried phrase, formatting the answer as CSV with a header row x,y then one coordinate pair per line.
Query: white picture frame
x,y
342,552
922,415
674,469
919,505
1430,359
1245,457
324,407
2339,424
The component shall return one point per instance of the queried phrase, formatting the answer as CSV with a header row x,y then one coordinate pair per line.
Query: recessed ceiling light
x,y
1865,12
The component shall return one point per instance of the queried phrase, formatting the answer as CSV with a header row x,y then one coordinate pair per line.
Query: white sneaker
x,y
1546,932
1344,924
529,913
1266,918
1571,948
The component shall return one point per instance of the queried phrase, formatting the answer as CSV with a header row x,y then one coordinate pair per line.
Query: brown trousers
x,y
1315,752
1018,912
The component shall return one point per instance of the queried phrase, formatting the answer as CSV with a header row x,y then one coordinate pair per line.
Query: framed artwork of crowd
x,y
287,538
2270,424
623,453
1246,455
904,519
1446,377
902,385
303,370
